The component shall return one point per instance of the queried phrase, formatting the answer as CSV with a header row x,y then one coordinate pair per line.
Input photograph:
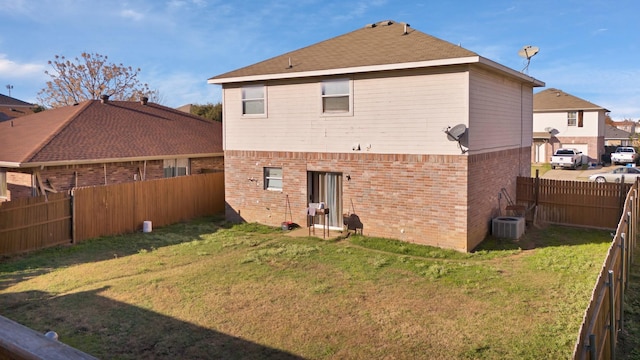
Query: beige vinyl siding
x,y
402,112
593,123
500,113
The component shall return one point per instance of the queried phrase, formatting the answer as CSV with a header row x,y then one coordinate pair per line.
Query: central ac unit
x,y
508,227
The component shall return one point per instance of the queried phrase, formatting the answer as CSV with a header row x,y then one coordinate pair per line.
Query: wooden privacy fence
x,y
577,203
122,208
604,317
35,223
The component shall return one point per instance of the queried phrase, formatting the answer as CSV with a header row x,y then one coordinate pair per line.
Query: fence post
x,y
73,216
537,187
592,346
623,276
612,317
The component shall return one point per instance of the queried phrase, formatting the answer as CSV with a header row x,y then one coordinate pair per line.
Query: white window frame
x,y
247,98
572,118
270,180
324,95
176,165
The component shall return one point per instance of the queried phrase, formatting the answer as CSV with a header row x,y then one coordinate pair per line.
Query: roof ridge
x,y
81,107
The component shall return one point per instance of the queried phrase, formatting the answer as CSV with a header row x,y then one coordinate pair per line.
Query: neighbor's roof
x,y
11,108
612,132
93,132
555,99
375,47
9,101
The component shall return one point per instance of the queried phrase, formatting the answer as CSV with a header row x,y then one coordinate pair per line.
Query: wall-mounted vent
x,y
508,227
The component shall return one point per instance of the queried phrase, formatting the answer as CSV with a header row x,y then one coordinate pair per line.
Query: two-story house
x,y
564,120
413,134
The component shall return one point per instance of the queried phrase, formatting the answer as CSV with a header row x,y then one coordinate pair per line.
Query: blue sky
x,y
588,48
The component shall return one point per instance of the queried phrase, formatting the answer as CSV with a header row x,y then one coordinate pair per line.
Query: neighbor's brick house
x,y
100,142
564,120
358,122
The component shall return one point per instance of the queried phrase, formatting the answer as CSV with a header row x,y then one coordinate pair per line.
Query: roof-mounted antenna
x,y
528,52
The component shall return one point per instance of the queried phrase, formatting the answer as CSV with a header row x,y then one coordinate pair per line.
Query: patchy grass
x,y
207,289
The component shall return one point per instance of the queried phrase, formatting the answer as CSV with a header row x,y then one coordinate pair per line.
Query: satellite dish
x,y
528,52
455,133
548,129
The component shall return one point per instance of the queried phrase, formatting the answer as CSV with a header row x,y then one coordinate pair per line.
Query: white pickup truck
x,y
566,158
624,155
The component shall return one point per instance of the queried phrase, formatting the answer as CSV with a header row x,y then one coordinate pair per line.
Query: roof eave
x,y
522,76
374,68
570,109
9,164
348,70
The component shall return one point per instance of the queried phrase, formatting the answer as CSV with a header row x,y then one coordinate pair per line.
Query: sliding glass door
x,y
326,187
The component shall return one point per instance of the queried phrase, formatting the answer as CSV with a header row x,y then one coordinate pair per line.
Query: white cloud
x,y
131,14
12,69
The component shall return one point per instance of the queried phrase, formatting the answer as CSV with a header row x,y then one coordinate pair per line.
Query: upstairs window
x,y
254,100
175,167
273,178
336,96
572,117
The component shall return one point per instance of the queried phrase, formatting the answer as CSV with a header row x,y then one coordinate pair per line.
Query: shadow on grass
x,y
548,236
19,268
109,329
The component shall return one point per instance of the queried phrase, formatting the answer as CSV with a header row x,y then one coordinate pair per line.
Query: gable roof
x,y
557,100
612,132
386,45
106,132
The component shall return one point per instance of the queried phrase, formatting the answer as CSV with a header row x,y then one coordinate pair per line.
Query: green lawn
x,y
207,289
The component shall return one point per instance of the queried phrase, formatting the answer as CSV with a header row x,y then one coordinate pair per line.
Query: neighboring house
x,y
626,125
614,136
358,122
101,142
564,120
11,108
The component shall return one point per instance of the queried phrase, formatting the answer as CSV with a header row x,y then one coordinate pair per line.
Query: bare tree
x,y
87,78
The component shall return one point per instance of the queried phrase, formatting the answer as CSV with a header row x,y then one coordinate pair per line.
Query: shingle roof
x,y
113,131
555,99
385,43
612,132
9,101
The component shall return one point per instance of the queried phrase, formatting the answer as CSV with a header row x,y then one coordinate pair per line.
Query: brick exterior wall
x,y
595,147
63,178
415,198
18,185
488,174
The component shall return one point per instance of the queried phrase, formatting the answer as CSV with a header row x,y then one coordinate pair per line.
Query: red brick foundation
x,y
440,200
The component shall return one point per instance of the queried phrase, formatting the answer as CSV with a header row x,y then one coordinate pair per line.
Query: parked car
x,y
624,155
566,158
629,173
